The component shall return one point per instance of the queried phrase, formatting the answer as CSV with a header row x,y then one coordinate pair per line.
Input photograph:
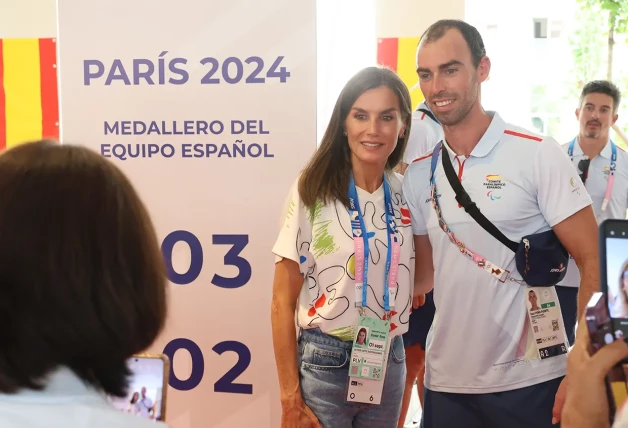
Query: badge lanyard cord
x,y
491,268
611,176
362,249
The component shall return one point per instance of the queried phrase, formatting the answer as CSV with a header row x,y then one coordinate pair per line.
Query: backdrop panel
x,y
210,108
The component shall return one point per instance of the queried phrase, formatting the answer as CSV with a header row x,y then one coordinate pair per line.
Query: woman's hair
x,y
135,397
362,330
326,177
82,279
622,292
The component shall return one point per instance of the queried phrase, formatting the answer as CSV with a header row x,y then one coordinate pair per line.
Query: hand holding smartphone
x,y
147,388
607,311
614,272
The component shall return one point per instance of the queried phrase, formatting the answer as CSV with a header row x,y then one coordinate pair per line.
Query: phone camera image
x,y
617,281
146,389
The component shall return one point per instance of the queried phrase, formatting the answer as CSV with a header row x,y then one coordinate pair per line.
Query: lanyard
x,y
477,259
611,175
361,247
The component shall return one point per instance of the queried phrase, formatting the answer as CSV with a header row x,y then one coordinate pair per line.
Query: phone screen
x,y
614,267
146,395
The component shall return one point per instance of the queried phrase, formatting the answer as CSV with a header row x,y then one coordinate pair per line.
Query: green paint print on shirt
x,y
323,243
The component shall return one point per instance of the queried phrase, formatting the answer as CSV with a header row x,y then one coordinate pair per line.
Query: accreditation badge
x,y
369,357
546,321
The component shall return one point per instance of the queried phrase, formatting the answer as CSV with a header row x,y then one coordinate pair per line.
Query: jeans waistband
x,y
317,336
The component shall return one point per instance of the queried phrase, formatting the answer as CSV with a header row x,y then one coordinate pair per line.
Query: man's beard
x,y
459,114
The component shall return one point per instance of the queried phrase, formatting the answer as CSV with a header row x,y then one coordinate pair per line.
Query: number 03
x,y
231,258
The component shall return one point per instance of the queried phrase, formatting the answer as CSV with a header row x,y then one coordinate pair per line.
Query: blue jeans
x,y
324,375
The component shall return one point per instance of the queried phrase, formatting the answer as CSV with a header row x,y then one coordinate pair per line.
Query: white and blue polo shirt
x,y
425,133
596,180
480,341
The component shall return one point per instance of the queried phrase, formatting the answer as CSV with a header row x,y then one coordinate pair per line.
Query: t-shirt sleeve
x,y
560,192
419,226
421,135
295,233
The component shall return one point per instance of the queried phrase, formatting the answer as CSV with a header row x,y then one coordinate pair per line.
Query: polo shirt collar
x,y
605,153
489,140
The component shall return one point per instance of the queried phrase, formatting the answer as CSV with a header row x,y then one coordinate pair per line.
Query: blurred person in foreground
x,y
82,287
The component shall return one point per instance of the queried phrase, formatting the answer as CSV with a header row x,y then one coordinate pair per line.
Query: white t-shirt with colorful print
x,y
320,240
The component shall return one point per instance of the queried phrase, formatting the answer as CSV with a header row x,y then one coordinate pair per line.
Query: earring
x,y
402,134
344,133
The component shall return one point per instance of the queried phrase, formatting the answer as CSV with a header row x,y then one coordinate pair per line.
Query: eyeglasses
x,y
583,166
625,274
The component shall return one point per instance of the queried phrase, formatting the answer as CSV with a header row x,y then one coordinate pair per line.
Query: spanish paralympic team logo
x,y
492,196
493,183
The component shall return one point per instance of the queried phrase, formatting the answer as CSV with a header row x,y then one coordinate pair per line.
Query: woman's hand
x,y
418,301
295,414
586,403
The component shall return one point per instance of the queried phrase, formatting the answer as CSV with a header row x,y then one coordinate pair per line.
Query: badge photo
x,y
361,337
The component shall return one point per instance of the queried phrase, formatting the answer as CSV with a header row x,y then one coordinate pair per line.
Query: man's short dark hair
x,y
82,279
602,87
469,32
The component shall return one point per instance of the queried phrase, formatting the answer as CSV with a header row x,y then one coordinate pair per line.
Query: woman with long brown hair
x,y
344,261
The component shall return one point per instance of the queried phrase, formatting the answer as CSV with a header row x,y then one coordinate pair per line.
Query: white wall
x,y
28,18
346,43
508,87
409,18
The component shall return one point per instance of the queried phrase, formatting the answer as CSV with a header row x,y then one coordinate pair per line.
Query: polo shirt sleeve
x,y
560,192
411,194
421,134
295,234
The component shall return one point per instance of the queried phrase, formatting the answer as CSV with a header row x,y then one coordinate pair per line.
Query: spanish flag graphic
x,y
493,177
29,101
399,54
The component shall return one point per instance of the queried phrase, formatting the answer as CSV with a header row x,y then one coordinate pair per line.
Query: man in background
x,y
603,169
425,133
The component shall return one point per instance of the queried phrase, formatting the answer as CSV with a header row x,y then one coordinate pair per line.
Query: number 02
x,y
227,382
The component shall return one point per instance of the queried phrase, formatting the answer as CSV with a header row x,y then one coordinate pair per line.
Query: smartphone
x,y
614,273
607,312
148,387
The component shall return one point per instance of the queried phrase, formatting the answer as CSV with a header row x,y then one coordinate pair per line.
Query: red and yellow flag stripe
x,y
29,100
399,54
